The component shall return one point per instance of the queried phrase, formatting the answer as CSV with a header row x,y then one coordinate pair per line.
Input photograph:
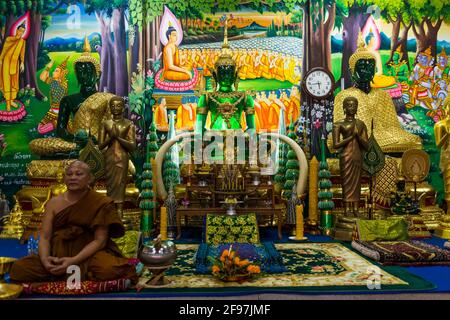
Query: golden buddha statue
x,y
374,104
171,59
87,109
442,133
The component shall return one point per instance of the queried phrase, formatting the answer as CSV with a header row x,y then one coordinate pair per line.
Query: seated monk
x,y
77,228
171,59
186,114
160,114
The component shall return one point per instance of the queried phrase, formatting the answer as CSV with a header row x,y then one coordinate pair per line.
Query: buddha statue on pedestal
x,y
351,138
225,104
374,104
442,135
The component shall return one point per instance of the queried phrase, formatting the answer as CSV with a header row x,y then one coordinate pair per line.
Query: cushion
x,y
231,229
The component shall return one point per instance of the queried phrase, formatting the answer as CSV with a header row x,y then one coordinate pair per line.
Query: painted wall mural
x,y
160,55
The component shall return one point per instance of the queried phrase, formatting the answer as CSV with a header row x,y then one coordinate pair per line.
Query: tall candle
x,y
299,222
163,230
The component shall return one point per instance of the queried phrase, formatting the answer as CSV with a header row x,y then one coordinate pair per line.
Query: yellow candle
x,y
299,222
163,227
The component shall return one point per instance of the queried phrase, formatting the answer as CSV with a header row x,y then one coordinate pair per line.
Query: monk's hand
x,y
22,67
49,262
63,264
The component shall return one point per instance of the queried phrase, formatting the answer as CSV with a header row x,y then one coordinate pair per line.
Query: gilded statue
x,y
351,148
88,109
12,60
117,139
374,104
225,104
442,135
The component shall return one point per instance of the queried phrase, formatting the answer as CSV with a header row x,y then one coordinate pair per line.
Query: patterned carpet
x,y
310,267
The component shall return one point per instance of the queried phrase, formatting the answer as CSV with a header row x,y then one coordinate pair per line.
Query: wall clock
x,y
318,83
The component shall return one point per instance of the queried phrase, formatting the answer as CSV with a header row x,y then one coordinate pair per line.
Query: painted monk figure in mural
x,y
12,60
77,228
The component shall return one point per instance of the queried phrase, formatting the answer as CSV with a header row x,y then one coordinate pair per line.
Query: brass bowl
x,y
10,291
5,265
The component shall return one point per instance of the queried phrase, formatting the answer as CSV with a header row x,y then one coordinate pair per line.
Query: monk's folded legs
x,y
30,269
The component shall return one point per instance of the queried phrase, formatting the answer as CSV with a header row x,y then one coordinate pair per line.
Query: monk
x,y
12,60
77,228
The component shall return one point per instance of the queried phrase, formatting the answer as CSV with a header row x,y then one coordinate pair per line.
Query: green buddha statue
x,y
398,68
401,201
374,104
225,104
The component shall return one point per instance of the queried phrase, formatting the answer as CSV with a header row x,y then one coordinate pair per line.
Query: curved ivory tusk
x,y
302,162
160,189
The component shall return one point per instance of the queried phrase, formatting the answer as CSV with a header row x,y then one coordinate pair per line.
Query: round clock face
x,y
318,83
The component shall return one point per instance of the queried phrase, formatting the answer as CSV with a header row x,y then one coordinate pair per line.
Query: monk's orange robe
x,y
73,229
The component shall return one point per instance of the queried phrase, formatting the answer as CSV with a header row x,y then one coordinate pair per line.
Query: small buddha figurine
x,y
225,104
117,139
352,145
401,201
374,104
171,59
59,187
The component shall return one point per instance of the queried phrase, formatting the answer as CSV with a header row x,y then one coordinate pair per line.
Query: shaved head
x,y
78,164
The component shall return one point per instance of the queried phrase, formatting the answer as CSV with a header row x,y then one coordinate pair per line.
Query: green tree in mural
x,y
397,13
10,10
113,56
427,18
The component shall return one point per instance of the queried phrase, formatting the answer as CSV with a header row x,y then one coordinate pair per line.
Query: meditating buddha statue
x,y
80,114
402,202
225,104
171,59
374,104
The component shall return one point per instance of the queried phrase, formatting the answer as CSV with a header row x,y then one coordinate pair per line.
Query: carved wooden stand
x,y
157,279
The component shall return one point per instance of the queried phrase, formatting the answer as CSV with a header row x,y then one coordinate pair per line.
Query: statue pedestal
x,y
344,228
443,231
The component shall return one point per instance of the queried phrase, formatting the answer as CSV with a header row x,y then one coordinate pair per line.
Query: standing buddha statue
x,y
374,104
442,135
225,104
